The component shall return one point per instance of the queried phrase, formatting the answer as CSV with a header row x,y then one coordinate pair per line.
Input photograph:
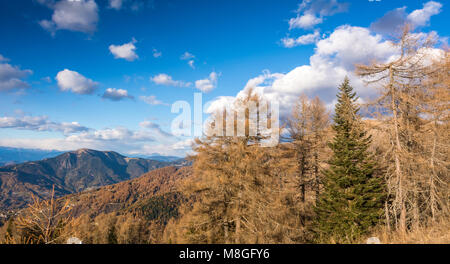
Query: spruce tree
x,y
353,196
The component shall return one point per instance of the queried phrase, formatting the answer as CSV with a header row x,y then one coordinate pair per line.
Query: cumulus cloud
x,y
393,21
302,40
164,79
114,94
421,17
304,21
264,79
151,100
126,51
11,77
73,81
40,123
219,103
208,84
334,58
81,15
311,13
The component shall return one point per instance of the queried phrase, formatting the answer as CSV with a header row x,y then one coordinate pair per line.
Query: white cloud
x,y
184,145
421,17
148,124
155,128
305,21
187,56
219,103
133,5
190,58
191,64
393,21
115,4
114,94
11,77
151,100
112,134
265,79
150,140
348,45
311,13
164,79
302,40
81,15
334,58
40,123
157,53
73,81
208,84
322,7
126,51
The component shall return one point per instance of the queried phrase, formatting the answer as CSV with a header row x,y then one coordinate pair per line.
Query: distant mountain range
x,y
157,157
70,172
19,155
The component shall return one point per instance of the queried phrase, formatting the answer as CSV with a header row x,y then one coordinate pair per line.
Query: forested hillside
x,y
67,173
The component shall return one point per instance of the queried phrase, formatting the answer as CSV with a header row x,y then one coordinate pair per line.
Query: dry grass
x,y
435,233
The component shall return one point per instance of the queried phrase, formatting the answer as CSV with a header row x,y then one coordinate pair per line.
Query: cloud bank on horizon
x,y
312,29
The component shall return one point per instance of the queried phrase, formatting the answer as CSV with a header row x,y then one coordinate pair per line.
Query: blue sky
x,y
103,74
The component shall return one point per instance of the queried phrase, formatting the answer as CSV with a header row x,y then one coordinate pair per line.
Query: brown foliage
x,y
43,222
412,111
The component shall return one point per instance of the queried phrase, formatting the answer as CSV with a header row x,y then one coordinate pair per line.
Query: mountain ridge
x,y
69,172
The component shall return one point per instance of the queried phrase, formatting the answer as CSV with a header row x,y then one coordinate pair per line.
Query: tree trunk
x,y
316,175
397,151
238,230
432,176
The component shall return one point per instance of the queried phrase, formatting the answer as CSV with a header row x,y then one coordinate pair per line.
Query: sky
x,y
104,74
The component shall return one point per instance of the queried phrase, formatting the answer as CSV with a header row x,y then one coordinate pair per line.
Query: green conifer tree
x,y
353,196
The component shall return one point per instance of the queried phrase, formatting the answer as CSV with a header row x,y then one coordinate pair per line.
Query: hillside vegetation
x,y
68,173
